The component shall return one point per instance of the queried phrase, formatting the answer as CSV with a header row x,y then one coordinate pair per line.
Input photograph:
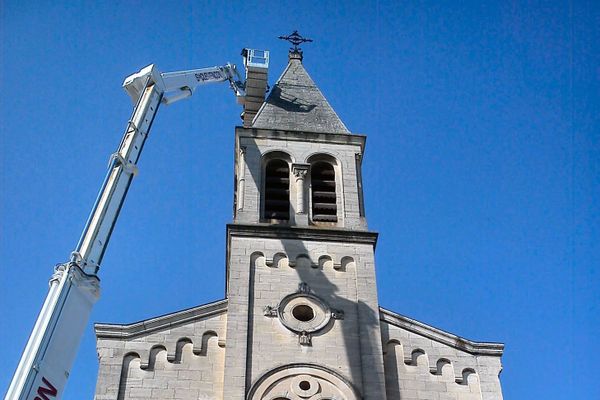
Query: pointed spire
x,y
296,103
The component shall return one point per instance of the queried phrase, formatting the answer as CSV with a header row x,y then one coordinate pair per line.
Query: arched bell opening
x,y
276,190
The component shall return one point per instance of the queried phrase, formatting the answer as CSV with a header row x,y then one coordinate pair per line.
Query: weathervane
x,y
295,38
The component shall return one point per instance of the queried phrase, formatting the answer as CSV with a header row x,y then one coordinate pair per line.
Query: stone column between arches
x,y
300,171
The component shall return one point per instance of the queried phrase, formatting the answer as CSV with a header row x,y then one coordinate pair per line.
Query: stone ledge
x,y
129,331
303,136
438,335
270,231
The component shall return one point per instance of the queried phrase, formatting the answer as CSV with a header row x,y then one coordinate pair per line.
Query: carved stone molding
x,y
304,381
241,189
303,313
300,170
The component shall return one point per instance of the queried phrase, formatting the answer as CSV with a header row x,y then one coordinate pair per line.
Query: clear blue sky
x,y
481,173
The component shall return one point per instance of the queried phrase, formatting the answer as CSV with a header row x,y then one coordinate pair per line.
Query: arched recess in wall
x,y
129,358
275,190
325,189
303,381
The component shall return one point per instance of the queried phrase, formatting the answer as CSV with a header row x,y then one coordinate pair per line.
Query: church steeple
x,y
297,163
301,271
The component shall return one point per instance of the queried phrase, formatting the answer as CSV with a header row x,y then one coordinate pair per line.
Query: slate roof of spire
x,y
296,103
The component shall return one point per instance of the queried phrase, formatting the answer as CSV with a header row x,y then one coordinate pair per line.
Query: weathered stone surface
x,y
260,145
176,356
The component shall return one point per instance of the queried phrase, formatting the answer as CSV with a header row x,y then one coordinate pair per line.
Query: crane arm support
x,y
182,84
123,165
52,346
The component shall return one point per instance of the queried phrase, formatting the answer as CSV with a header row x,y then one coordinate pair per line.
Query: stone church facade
x,y
301,318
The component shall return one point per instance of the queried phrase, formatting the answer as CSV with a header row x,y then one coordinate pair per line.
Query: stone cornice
x,y
270,231
438,335
128,331
303,136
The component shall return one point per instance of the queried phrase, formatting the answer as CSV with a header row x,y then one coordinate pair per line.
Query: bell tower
x,y
303,316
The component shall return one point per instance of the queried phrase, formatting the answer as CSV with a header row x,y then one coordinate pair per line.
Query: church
x,y
300,319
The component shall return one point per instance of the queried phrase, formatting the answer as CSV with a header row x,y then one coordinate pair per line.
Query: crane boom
x,y
44,367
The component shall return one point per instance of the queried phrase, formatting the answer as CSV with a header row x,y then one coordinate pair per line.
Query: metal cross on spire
x,y
295,38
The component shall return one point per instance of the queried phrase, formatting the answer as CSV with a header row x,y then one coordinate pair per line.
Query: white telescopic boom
x,y
44,367
74,288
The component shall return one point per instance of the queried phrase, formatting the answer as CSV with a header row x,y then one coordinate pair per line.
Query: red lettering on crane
x,y
44,392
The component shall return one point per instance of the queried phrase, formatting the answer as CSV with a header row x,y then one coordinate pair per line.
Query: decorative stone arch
x,y
150,362
418,357
322,156
277,153
175,353
303,381
128,359
318,159
325,261
347,263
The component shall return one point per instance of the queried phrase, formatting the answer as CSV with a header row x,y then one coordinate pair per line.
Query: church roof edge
x,y
127,331
438,335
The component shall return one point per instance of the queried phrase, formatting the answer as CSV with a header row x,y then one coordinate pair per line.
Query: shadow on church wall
x,y
359,319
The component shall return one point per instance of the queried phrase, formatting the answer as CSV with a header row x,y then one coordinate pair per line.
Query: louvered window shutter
x,y
277,190
324,201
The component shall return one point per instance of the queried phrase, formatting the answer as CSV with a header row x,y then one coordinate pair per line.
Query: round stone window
x,y
305,386
303,312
